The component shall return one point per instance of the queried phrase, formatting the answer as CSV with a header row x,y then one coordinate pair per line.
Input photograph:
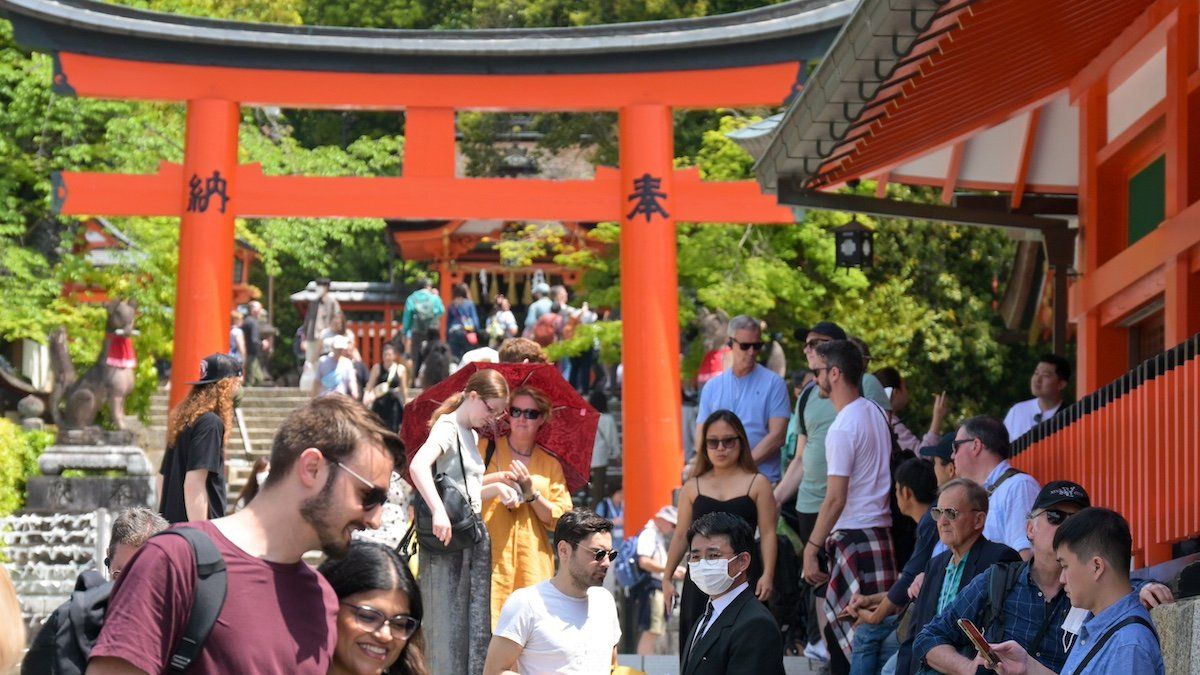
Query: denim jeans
x,y
873,646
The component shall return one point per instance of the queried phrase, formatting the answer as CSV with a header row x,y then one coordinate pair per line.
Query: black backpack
x,y
66,639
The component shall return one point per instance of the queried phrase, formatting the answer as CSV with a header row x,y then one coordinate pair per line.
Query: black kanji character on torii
x,y
645,191
200,192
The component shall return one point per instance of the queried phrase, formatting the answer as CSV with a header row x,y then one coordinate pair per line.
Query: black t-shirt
x,y
252,335
199,446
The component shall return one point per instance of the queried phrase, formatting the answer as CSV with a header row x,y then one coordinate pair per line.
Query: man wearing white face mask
x,y
736,633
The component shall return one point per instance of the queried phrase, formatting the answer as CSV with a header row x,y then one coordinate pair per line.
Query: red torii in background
x,y
643,71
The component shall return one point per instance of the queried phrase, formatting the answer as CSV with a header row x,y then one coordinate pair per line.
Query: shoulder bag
x,y
465,524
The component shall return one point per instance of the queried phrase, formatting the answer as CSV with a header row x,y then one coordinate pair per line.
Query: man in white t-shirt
x,y
567,624
854,524
1049,381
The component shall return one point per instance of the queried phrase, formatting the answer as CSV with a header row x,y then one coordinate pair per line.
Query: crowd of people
x,y
811,521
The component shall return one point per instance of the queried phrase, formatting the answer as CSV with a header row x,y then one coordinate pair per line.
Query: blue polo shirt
x,y
1132,649
755,398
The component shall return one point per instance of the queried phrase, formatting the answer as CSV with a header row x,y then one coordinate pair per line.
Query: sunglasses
x,y
527,413
371,619
730,442
599,554
746,346
949,514
812,344
373,497
1053,517
954,445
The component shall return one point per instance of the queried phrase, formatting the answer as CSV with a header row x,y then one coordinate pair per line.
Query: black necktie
x,y
708,612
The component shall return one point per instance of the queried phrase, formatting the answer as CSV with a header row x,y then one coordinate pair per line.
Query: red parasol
x,y
569,434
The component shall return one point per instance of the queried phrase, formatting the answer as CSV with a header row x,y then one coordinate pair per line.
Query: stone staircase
x,y
263,409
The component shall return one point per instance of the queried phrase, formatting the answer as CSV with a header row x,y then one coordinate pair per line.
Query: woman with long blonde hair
x,y
457,583
727,480
192,478
521,553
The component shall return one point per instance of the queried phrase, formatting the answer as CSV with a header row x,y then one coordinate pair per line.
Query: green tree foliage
x,y
19,452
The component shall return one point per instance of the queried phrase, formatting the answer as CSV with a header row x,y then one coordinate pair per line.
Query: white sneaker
x,y
817,652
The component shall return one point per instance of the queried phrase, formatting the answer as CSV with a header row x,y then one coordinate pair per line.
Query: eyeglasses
x,y
812,344
599,554
371,619
730,442
373,497
492,412
817,371
746,346
1055,518
949,514
954,445
527,413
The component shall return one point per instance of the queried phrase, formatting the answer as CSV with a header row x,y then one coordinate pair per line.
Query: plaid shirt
x,y
860,561
1025,612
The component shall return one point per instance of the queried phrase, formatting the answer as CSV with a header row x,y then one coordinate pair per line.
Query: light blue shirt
x,y
1131,650
1008,506
954,572
755,398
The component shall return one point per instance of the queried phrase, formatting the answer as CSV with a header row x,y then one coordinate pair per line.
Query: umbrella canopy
x,y
569,434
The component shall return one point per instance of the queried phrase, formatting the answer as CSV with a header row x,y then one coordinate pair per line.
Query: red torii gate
x,y
643,71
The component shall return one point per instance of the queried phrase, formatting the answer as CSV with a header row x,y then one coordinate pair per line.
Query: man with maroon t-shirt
x,y
331,464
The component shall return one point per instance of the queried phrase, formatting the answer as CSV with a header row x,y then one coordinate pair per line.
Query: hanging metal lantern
x,y
854,245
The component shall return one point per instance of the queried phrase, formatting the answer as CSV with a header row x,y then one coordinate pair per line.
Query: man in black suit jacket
x,y
960,513
736,633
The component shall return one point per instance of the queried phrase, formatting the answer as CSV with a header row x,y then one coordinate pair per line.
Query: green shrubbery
x,y
19,451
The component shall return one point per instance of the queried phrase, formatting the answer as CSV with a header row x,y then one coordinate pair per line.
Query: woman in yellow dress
x,y
521,552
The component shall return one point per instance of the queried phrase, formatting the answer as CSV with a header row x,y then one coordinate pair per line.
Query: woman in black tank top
x,y
726,480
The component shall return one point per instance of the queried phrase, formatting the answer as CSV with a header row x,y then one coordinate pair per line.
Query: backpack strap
x,y
1008,473
211,586
1129,620
800,407
1003,576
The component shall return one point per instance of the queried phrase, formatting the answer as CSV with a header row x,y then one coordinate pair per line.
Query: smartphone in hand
x,y
976,637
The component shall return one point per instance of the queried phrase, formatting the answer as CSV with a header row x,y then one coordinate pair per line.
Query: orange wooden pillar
x,y
1181,299
204,290
653,455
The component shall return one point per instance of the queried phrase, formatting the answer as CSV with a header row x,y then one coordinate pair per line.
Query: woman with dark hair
x,y
375,592
897,390
462,322
726,480
387,388
521,553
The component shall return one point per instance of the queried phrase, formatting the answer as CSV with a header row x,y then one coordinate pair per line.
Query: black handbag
x,y
466,526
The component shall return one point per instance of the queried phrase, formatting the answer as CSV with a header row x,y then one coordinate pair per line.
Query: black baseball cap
x,y
943,449
217,367
1061,492
829,329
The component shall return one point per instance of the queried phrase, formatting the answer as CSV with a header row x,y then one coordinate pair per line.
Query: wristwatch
x,y
532,496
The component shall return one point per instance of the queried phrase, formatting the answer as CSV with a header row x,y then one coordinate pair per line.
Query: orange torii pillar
x,y
651,405
204,289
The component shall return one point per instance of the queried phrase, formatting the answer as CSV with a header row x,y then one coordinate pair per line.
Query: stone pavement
x,y
668,664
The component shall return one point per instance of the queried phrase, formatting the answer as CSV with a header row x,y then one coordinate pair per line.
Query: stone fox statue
x,y
108,381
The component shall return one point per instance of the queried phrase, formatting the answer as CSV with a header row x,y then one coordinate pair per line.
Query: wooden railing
x,y
370,336
1134,444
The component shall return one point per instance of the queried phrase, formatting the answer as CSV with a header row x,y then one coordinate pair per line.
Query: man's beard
x,y
315,512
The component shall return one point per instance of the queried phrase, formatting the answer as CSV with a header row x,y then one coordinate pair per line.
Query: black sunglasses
x,y
954,445
746,346
599,554
1055,517
373,497
812,344
371,619
527,413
